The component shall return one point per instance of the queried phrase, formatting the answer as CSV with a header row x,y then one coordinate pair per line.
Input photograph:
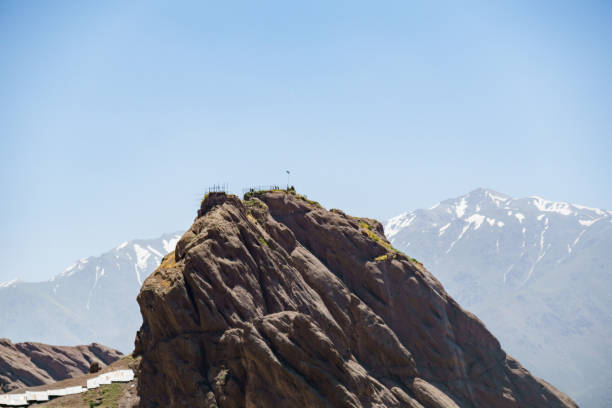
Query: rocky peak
x,y
275,301
214,199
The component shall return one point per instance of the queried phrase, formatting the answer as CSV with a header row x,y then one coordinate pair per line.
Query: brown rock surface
x,y
277,302
32,364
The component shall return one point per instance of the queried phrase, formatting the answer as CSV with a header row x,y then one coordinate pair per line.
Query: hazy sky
x,y
116,116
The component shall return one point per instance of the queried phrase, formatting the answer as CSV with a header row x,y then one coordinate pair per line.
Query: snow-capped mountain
x,y
8,283
92,300
537,272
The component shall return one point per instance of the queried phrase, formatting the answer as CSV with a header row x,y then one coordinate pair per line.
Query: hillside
x,y
32,364
114,395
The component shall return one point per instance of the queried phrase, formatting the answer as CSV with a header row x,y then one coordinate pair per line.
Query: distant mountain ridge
x,y
538,274
92,300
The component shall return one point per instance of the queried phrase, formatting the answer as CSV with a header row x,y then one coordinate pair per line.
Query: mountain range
x,y
537,272
93,300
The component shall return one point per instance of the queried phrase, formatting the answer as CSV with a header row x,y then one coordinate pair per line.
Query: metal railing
x,y
262,188
218,188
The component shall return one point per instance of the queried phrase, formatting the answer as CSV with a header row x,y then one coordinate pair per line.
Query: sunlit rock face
x,y
275,301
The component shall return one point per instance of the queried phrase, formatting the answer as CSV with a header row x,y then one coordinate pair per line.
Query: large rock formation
x,y
277,302
32,364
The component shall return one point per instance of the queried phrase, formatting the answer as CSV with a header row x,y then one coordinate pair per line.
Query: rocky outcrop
x,y
275,301
32,364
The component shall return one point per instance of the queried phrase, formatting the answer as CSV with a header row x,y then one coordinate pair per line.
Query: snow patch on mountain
x,y
497,199
460,209
72,269
551,206
156,252
170,244
588,223
578,238
595,210
99,274
458,238
396,224
443,229
476,219
142,255
8,283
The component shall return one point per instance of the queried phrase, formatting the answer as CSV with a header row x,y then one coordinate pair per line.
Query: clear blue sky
x,y
116,115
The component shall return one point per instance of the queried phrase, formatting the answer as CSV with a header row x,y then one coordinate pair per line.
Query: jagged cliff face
x,y
32,364
276,301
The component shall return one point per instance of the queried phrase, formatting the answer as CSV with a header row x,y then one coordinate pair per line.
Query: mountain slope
x,y
276,301
93,300
536,272
32,364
